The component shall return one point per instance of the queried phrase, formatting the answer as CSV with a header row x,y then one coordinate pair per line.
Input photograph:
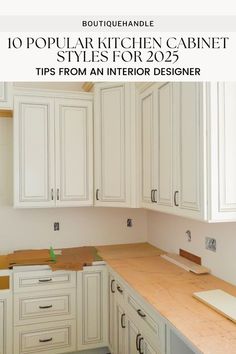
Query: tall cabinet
x,y
53,150
114,134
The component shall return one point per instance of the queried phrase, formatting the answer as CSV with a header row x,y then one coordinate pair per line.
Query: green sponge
x,y
53,257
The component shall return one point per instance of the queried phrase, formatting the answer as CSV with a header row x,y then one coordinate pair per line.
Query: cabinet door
x,y
149,144
120,329
165,146
1,327
34,151
224,207
6,95
133,337
74,152
189,196
92,308
112,145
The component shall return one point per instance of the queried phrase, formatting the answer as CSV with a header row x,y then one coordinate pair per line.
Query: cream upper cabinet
x,y
53,150
222,151
114,130
6,98
149,145
34,151
171,134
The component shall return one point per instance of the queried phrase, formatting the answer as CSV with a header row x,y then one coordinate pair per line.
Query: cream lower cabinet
x,y
53,151
44,312
115,139
92,310
133,326
172,137
5,322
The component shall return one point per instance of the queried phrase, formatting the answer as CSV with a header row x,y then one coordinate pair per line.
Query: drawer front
x,y
43,280
153,326
44,306
56,337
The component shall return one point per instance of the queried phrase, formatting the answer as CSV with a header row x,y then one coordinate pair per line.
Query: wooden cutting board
x,y
185,263
220,301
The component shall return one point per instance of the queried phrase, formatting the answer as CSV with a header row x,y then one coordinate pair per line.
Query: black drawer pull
x,y
112,282
119,289
137,341
154,195
139,345
140,313
45,340
45,280
45,307
122,320
175,198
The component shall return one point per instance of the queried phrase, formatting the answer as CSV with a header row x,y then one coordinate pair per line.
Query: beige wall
x,y
168,232
33,228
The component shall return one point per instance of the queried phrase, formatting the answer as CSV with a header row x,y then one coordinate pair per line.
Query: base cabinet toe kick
x,y
55,312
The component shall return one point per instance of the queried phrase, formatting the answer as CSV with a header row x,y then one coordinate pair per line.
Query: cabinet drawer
x,y
150,325
44,280
54,337
44,306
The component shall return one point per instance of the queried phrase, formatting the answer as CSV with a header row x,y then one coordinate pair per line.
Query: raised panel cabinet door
x,y
120,329
149,143
112,145
189,196
6,95
227,149
149,348
34,151
165,145
92,308
133,337
2,341
74,152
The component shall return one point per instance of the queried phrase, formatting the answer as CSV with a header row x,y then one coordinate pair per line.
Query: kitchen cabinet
x,y
172,152
44,311
6,97
5,322
221,126
115,139
133,327
92,313
53,151
175,344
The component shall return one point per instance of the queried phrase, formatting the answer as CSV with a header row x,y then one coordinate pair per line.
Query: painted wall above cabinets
x,y
169,147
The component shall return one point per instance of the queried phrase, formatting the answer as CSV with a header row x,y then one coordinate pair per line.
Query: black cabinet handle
x,y
119,289
122,320
45,307
141,314
97,191
58,194
175,198
45,340
154,195
45,280
137,341
112,282
52,194
140,345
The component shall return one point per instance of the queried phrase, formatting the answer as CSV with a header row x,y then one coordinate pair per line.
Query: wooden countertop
x,y
169,290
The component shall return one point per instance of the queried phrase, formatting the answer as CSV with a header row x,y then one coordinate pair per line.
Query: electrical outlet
x,y
56,226
210,244
129,222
